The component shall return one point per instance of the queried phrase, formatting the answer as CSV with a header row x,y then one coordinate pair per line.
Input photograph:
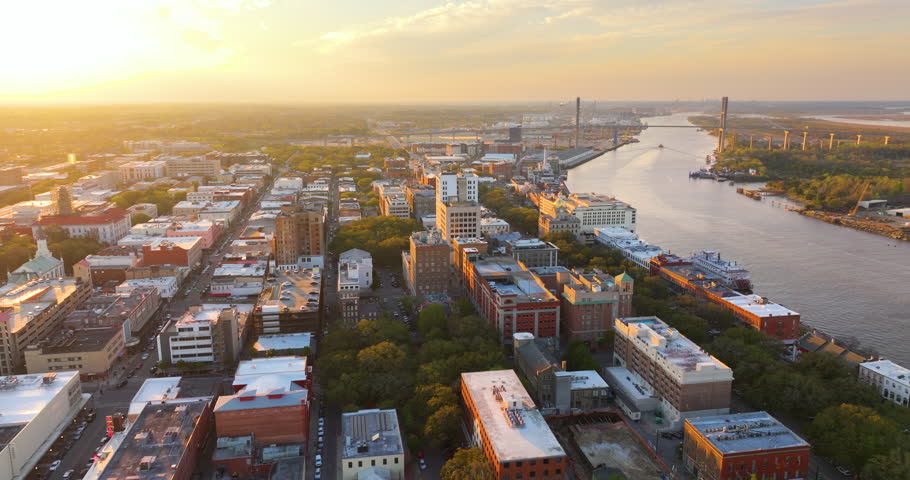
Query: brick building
x,y
504,422
426,265
271,401
589,301
180,251
298,234
510,297
743,446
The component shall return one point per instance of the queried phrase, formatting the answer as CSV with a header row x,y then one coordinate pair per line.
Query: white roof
x,y
889,369
239,269
248,371
531,439
25,396
758,305
154,390
584,379
284,341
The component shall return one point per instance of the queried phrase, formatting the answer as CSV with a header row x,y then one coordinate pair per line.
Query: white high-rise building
x,y
457,187
457,210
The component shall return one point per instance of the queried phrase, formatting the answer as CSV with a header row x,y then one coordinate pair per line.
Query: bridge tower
x,y
577,118
786,139
805,137
751,141
830,141
859,138
721,134
887,139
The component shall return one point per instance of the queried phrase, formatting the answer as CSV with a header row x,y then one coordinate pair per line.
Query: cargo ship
x,y
731,274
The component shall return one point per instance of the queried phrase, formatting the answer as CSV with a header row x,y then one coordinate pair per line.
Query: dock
x,y
594,153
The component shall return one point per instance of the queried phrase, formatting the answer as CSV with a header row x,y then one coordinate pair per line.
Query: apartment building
x,y
504,422
686,380
299,235
457,210
393,202
427,263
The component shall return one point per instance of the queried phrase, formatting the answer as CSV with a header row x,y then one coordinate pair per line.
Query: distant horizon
x,y
441,51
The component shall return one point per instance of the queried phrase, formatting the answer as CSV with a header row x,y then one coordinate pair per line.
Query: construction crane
x,y
862,194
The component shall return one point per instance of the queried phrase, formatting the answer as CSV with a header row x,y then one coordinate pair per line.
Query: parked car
x,y
318,460
122,383
55,465
317,474
68,474
844,471
423,464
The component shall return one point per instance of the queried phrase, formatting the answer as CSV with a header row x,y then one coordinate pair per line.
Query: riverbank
x,y
897,233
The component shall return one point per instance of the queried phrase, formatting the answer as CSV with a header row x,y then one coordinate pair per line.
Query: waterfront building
x,y
889,378
687,381
743,445
592,211
504,422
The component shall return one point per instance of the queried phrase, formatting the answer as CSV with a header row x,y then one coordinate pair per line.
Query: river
x,y
844,282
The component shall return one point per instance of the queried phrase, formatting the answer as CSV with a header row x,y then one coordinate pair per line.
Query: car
x,y
121,383
423,464
103,440
68,474
420,454
90,417
55,465
144,356
317,474
318,460
320,442
321,431
321,422
843,471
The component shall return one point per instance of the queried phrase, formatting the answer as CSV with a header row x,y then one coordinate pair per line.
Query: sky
x,y
298,51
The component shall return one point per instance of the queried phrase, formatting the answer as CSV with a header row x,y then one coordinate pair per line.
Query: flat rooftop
x,y
584,379
668,343
371,433
82,340
746,432
256,371
248,269
889,369
526,437
23,397
296,291
506,276
283,341
157,439
24,302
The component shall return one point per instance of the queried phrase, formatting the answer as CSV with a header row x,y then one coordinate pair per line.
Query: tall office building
x,y
457,210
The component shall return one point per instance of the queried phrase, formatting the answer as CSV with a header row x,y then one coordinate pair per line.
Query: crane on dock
x,y
862,194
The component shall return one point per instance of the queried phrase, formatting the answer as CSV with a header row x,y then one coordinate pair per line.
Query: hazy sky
x,y
426,50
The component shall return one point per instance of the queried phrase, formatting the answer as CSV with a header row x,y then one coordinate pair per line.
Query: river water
x,y
844,282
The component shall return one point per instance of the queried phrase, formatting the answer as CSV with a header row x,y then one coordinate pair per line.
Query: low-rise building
x,y
100,269
422,200
180,251
207,230
372,440
32,312
142,170
493,226
203,165
92,352
687,381
743,445
889,378
290,304
128,313
504,422
393,202
106,226
166,286
271,401
592,210
36,409
238,279
533,252
43,266
203,335
285,344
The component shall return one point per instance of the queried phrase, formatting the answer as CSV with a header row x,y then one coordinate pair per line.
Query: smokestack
x,y
577,118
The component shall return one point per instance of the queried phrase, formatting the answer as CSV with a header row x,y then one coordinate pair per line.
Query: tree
x,y
443,426
579,357
895,465
431,321
852,434
467,464
271,352
138,218
72,250
14,252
